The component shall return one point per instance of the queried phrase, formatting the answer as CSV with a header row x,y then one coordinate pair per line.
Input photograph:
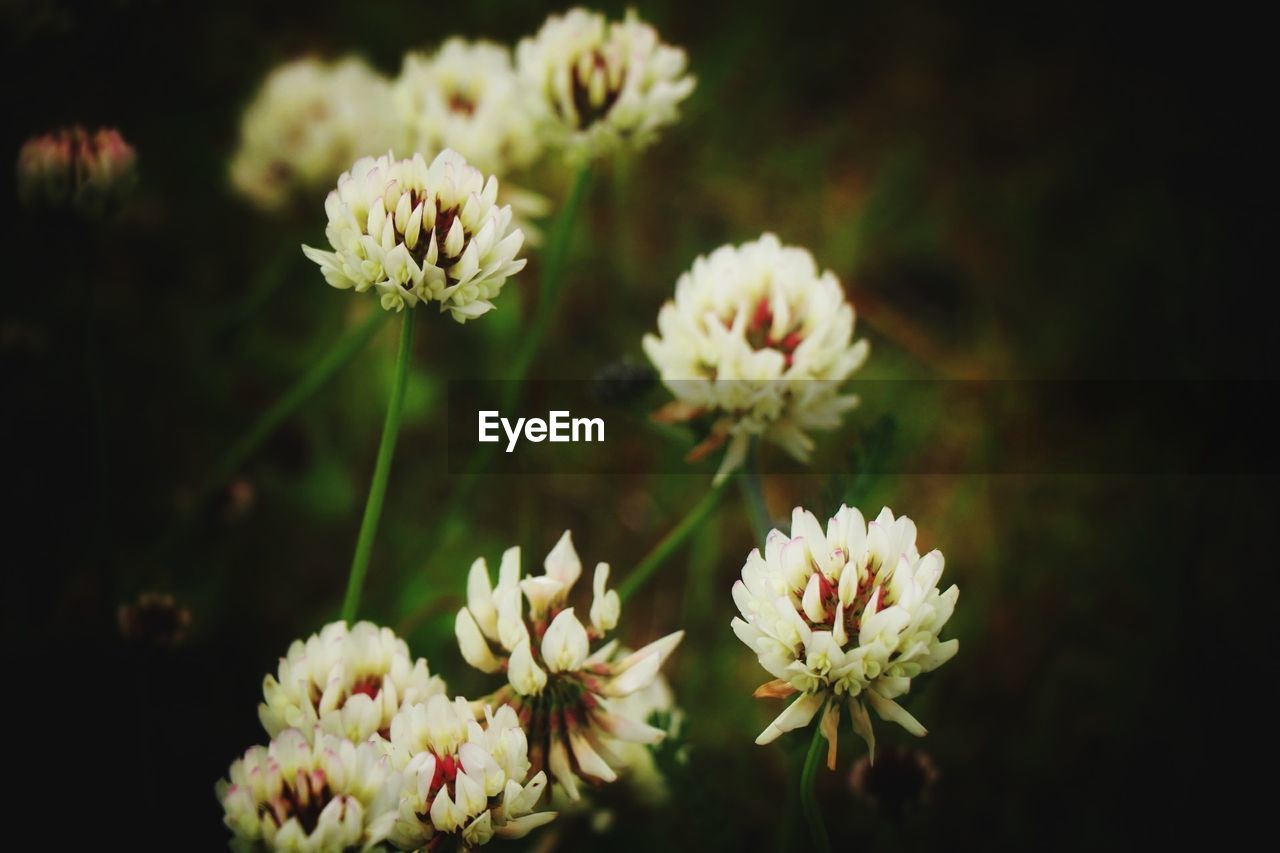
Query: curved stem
x,y
753,495
381,472
342,352
808,801
669,543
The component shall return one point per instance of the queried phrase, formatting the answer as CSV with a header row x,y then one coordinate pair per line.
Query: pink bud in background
x,y
88,172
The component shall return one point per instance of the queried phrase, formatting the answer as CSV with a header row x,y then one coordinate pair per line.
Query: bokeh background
x,y
1023,192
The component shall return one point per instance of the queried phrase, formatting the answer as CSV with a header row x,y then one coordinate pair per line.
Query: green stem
x,y
549,288
381,473
808,801
266,283
669,543
551,281
753,495
342,352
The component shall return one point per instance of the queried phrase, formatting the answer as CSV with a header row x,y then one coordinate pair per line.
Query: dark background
x,y
1064,192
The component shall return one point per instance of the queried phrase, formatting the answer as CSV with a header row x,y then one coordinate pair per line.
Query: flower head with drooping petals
x,y
462,777
310,794
598,85
564,691
760,342
349,682
850,613
466,96
414,232
310,120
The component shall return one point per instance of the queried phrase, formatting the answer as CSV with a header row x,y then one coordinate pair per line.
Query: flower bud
x,y
88,172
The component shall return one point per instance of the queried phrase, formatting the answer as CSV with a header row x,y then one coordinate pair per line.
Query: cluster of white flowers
x,y
414,232
310,120
850,613
367,751
310,794
583,86
349,682
597,85
760,341
458,776
565,691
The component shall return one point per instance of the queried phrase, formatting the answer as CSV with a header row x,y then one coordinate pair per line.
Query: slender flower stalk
x,y
381,473
670,543
347,348
552,276
753,494
553,264
808,800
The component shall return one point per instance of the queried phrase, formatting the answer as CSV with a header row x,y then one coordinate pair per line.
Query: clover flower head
x,y
759,342
348,682
415,232
309,793
562,679
466,96
310,120
89,173
461,776
597,85
850,614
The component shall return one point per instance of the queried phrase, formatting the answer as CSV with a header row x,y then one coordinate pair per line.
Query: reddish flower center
x,y
588,113
760,333
304,800
370,686
461,103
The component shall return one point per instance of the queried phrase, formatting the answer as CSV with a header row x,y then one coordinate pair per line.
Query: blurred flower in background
x,y
760,342
461,777
898,780
155,620
89,173
415,232
308,122
466,96
324,794
853,612
598,85
348,682
566,693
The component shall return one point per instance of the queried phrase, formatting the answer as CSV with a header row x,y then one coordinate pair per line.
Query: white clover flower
x,y
461,778
416,232
561,681
758,340
466,96
598,85
319,795
310,120
350,683
636,764
852,613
